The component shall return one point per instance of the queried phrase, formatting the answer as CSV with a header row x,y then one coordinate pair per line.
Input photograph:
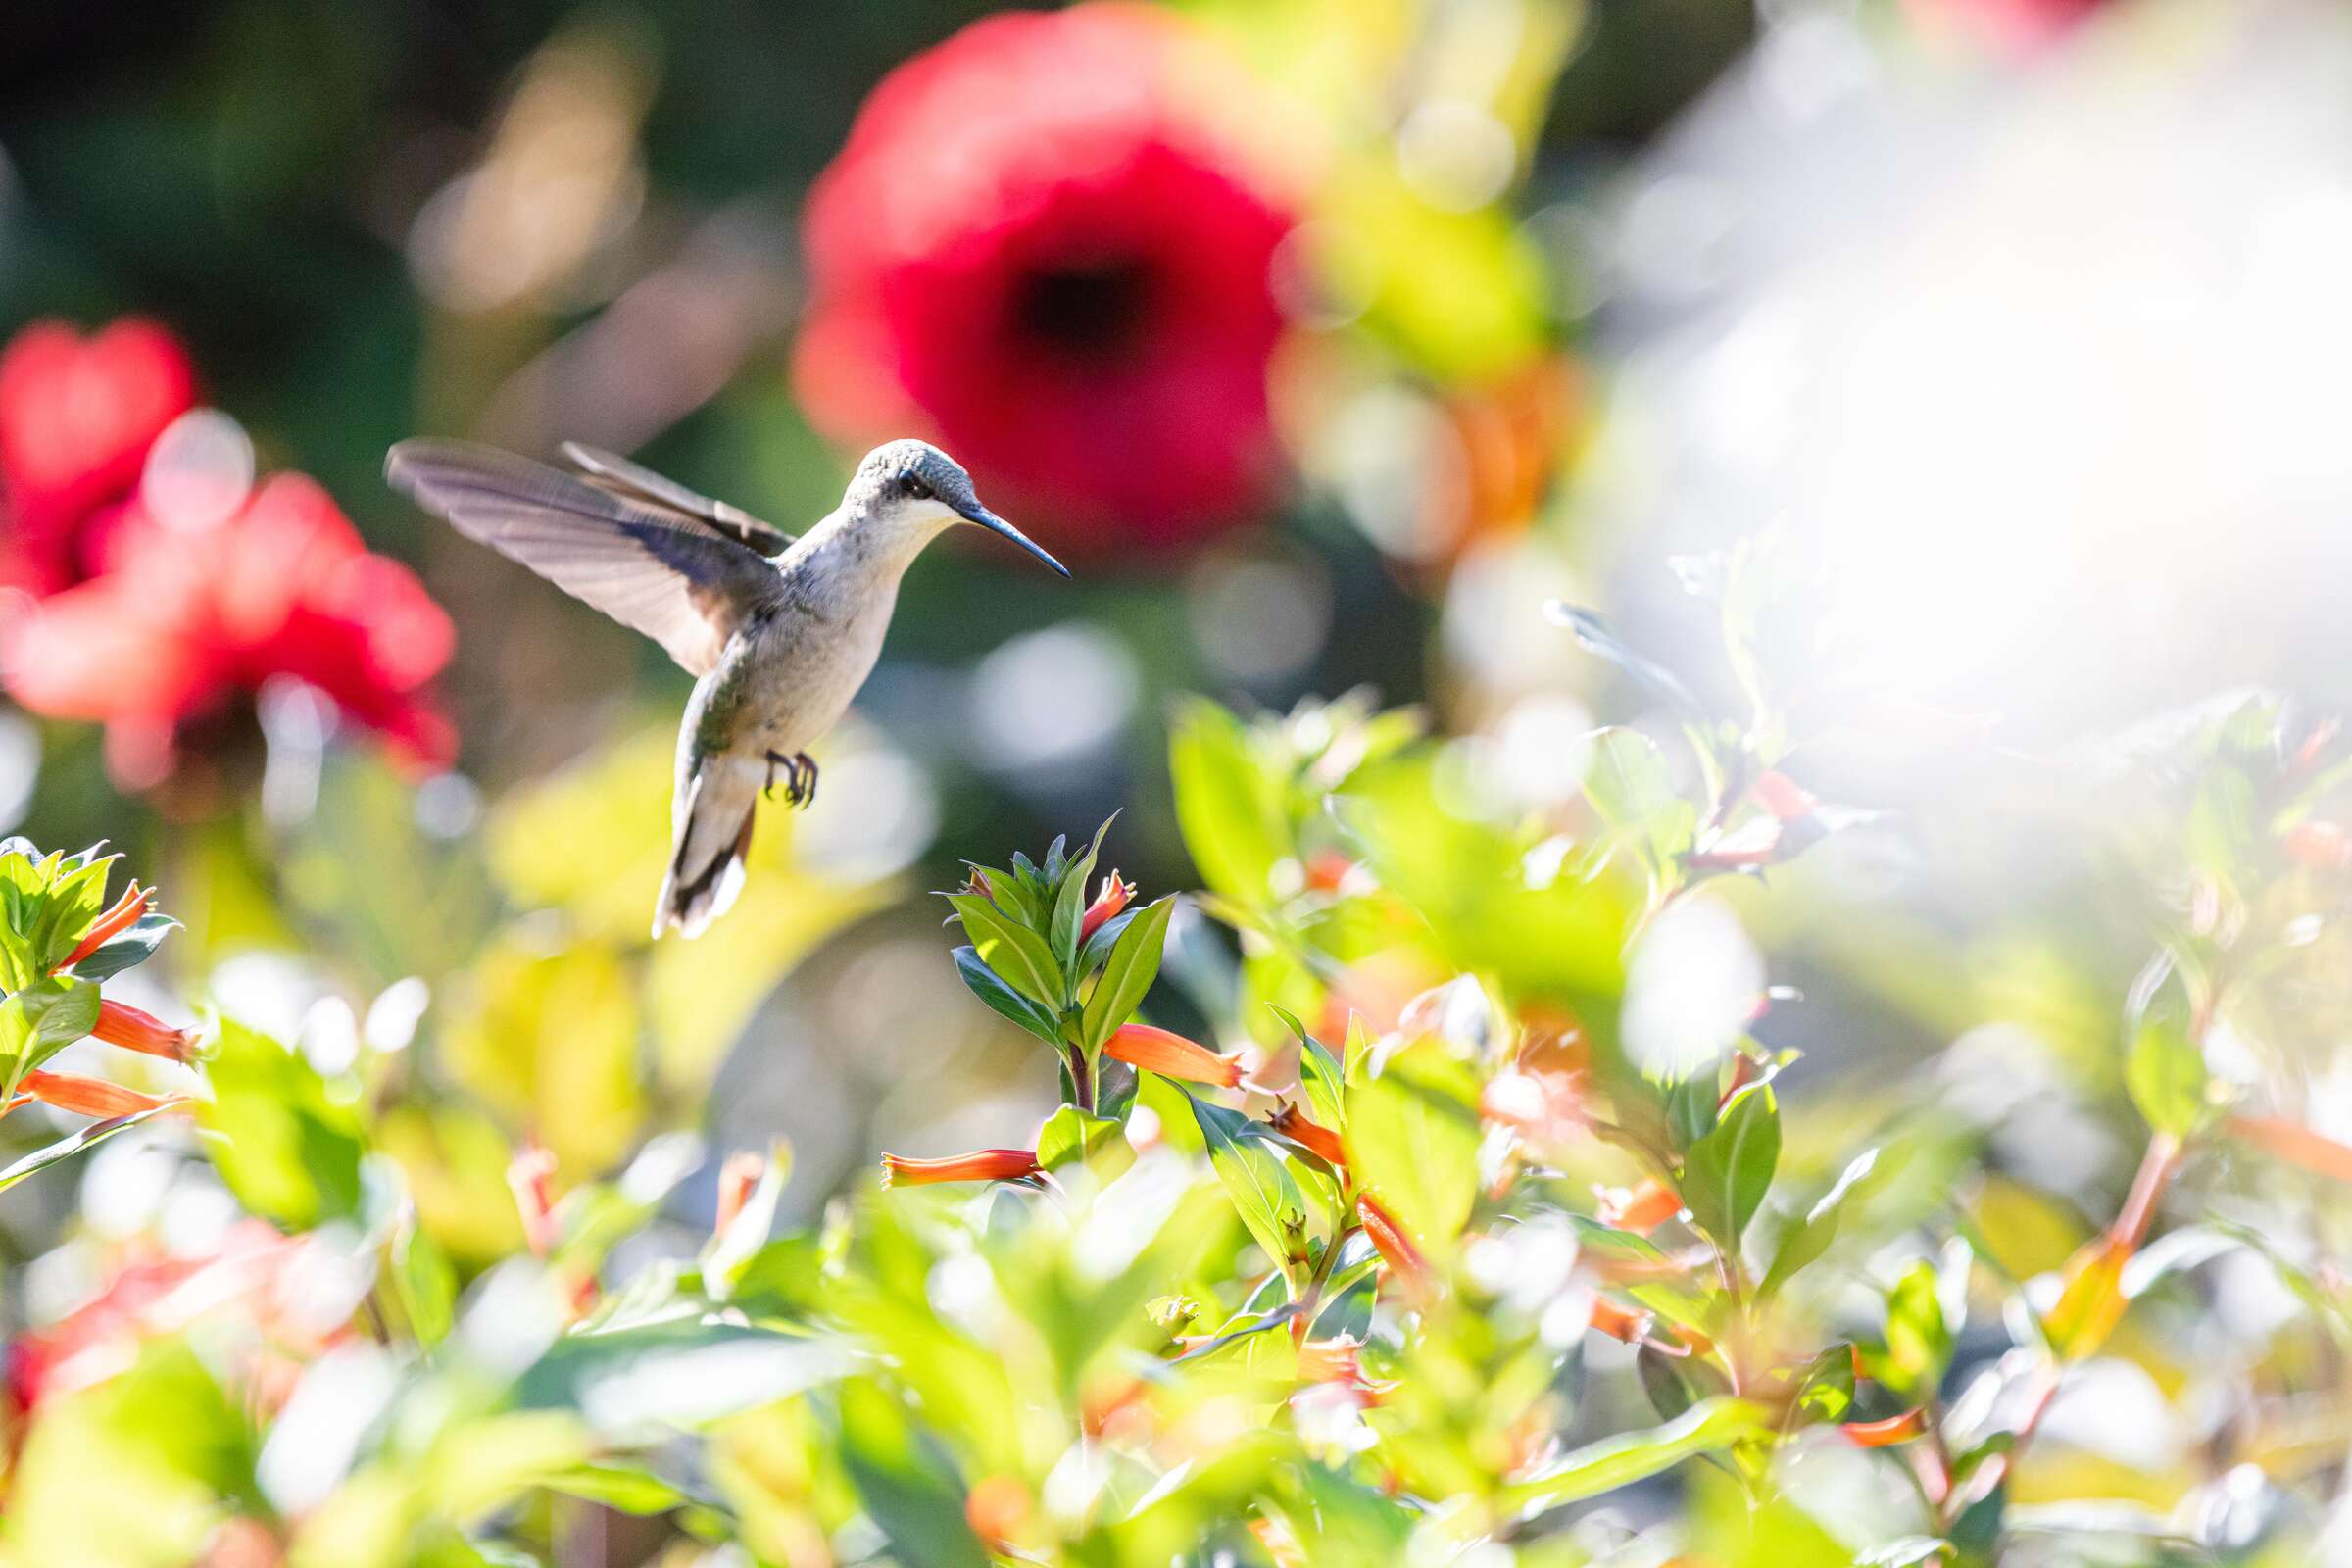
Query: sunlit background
x,y
1328,340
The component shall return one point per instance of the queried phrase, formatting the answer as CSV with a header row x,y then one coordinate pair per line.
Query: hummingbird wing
x,y
665,573
633,482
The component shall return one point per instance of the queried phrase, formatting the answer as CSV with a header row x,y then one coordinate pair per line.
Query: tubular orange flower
x,y
1171,1056
1318,1140
980,1165
2296,1144
1619,1323
1885,1433
1782,796
112,923
86,1097
1108,902
1404,1259
133,1030
529,1177
997,1509
1641,1211
736,1180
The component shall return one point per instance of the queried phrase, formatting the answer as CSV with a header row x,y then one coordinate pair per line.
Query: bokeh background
x,y
1327,339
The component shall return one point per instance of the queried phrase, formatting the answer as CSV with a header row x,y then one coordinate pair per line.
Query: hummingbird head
x,y
913,488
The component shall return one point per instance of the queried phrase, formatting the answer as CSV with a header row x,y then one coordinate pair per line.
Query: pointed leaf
x,y
984,983
1018,955
1728,1172
1128,973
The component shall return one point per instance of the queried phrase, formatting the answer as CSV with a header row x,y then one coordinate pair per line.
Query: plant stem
x,y
1082,1079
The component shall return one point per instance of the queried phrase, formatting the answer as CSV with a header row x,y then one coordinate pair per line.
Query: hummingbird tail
x,y
714,837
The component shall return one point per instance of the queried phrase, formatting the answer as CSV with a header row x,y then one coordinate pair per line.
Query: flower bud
x,y
1171,1056
980,1165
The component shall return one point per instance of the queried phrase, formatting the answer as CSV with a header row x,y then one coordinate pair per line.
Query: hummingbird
x,y
779,632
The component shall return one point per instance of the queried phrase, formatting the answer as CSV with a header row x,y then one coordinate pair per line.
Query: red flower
x,y
180,622
980,1165
77,418
255,1274
1108,903
2015,28
133,1030
1036,246
1171,1056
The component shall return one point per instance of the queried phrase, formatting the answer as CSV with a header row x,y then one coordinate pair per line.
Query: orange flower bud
x,y
996,1508
1643,1210
2322,845
1405,1260
1108,902
1885,1433
736,1180
133,1030
1781,796
1316,1140
1171,1056
87,1097
112,923
530,1177
980,1165
2296,1144
1619,1323
1328,870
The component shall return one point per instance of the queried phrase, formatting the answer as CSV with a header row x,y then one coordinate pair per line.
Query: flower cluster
x,y
155,617
1040,245
59,940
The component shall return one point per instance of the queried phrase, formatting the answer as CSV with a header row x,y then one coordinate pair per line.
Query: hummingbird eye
x,y
915,487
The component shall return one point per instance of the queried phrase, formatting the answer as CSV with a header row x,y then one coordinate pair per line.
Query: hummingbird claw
x,y
808,784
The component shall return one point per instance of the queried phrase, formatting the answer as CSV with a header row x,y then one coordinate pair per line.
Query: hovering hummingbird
x,y
778,632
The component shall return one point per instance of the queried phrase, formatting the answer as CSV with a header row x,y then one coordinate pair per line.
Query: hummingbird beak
x,y
996,525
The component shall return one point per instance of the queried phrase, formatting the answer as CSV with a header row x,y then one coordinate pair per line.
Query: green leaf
x,y
2166,1075
2091,1301
1007,892
1128,973
983,982
1070,1135
1595,635
627,1488
1825,1388
910,1490
1728,1172
1706,1428
132,948
1692,1106
43,1020
1632,791
1018,955
1810,1237
1228,804
1411,1136
67,1147
1259,1182
287,1147
424,1282
1918,1339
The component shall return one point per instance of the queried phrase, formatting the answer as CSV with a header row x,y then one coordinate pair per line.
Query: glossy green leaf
x,y
1228,806
1709,1427
1071,1136
625,1487
984,983
1804,1241
287,1146
1728,1172
1127,973
82,1138
1411,1136
424,1282
41,1020
910,1490
1825,1388
2167,1077
1919,1342
1018,955
1258,1180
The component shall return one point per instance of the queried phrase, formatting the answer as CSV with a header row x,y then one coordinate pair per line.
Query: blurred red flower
x,y
261,1277
77,418
2011,27
1037,247
180,622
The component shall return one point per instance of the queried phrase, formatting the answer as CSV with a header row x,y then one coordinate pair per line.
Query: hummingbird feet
x,y
800,777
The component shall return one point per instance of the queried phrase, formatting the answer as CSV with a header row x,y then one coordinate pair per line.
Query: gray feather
x,y
665,574
633,482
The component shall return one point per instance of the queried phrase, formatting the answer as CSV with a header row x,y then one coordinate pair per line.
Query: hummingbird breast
x,y
801,670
